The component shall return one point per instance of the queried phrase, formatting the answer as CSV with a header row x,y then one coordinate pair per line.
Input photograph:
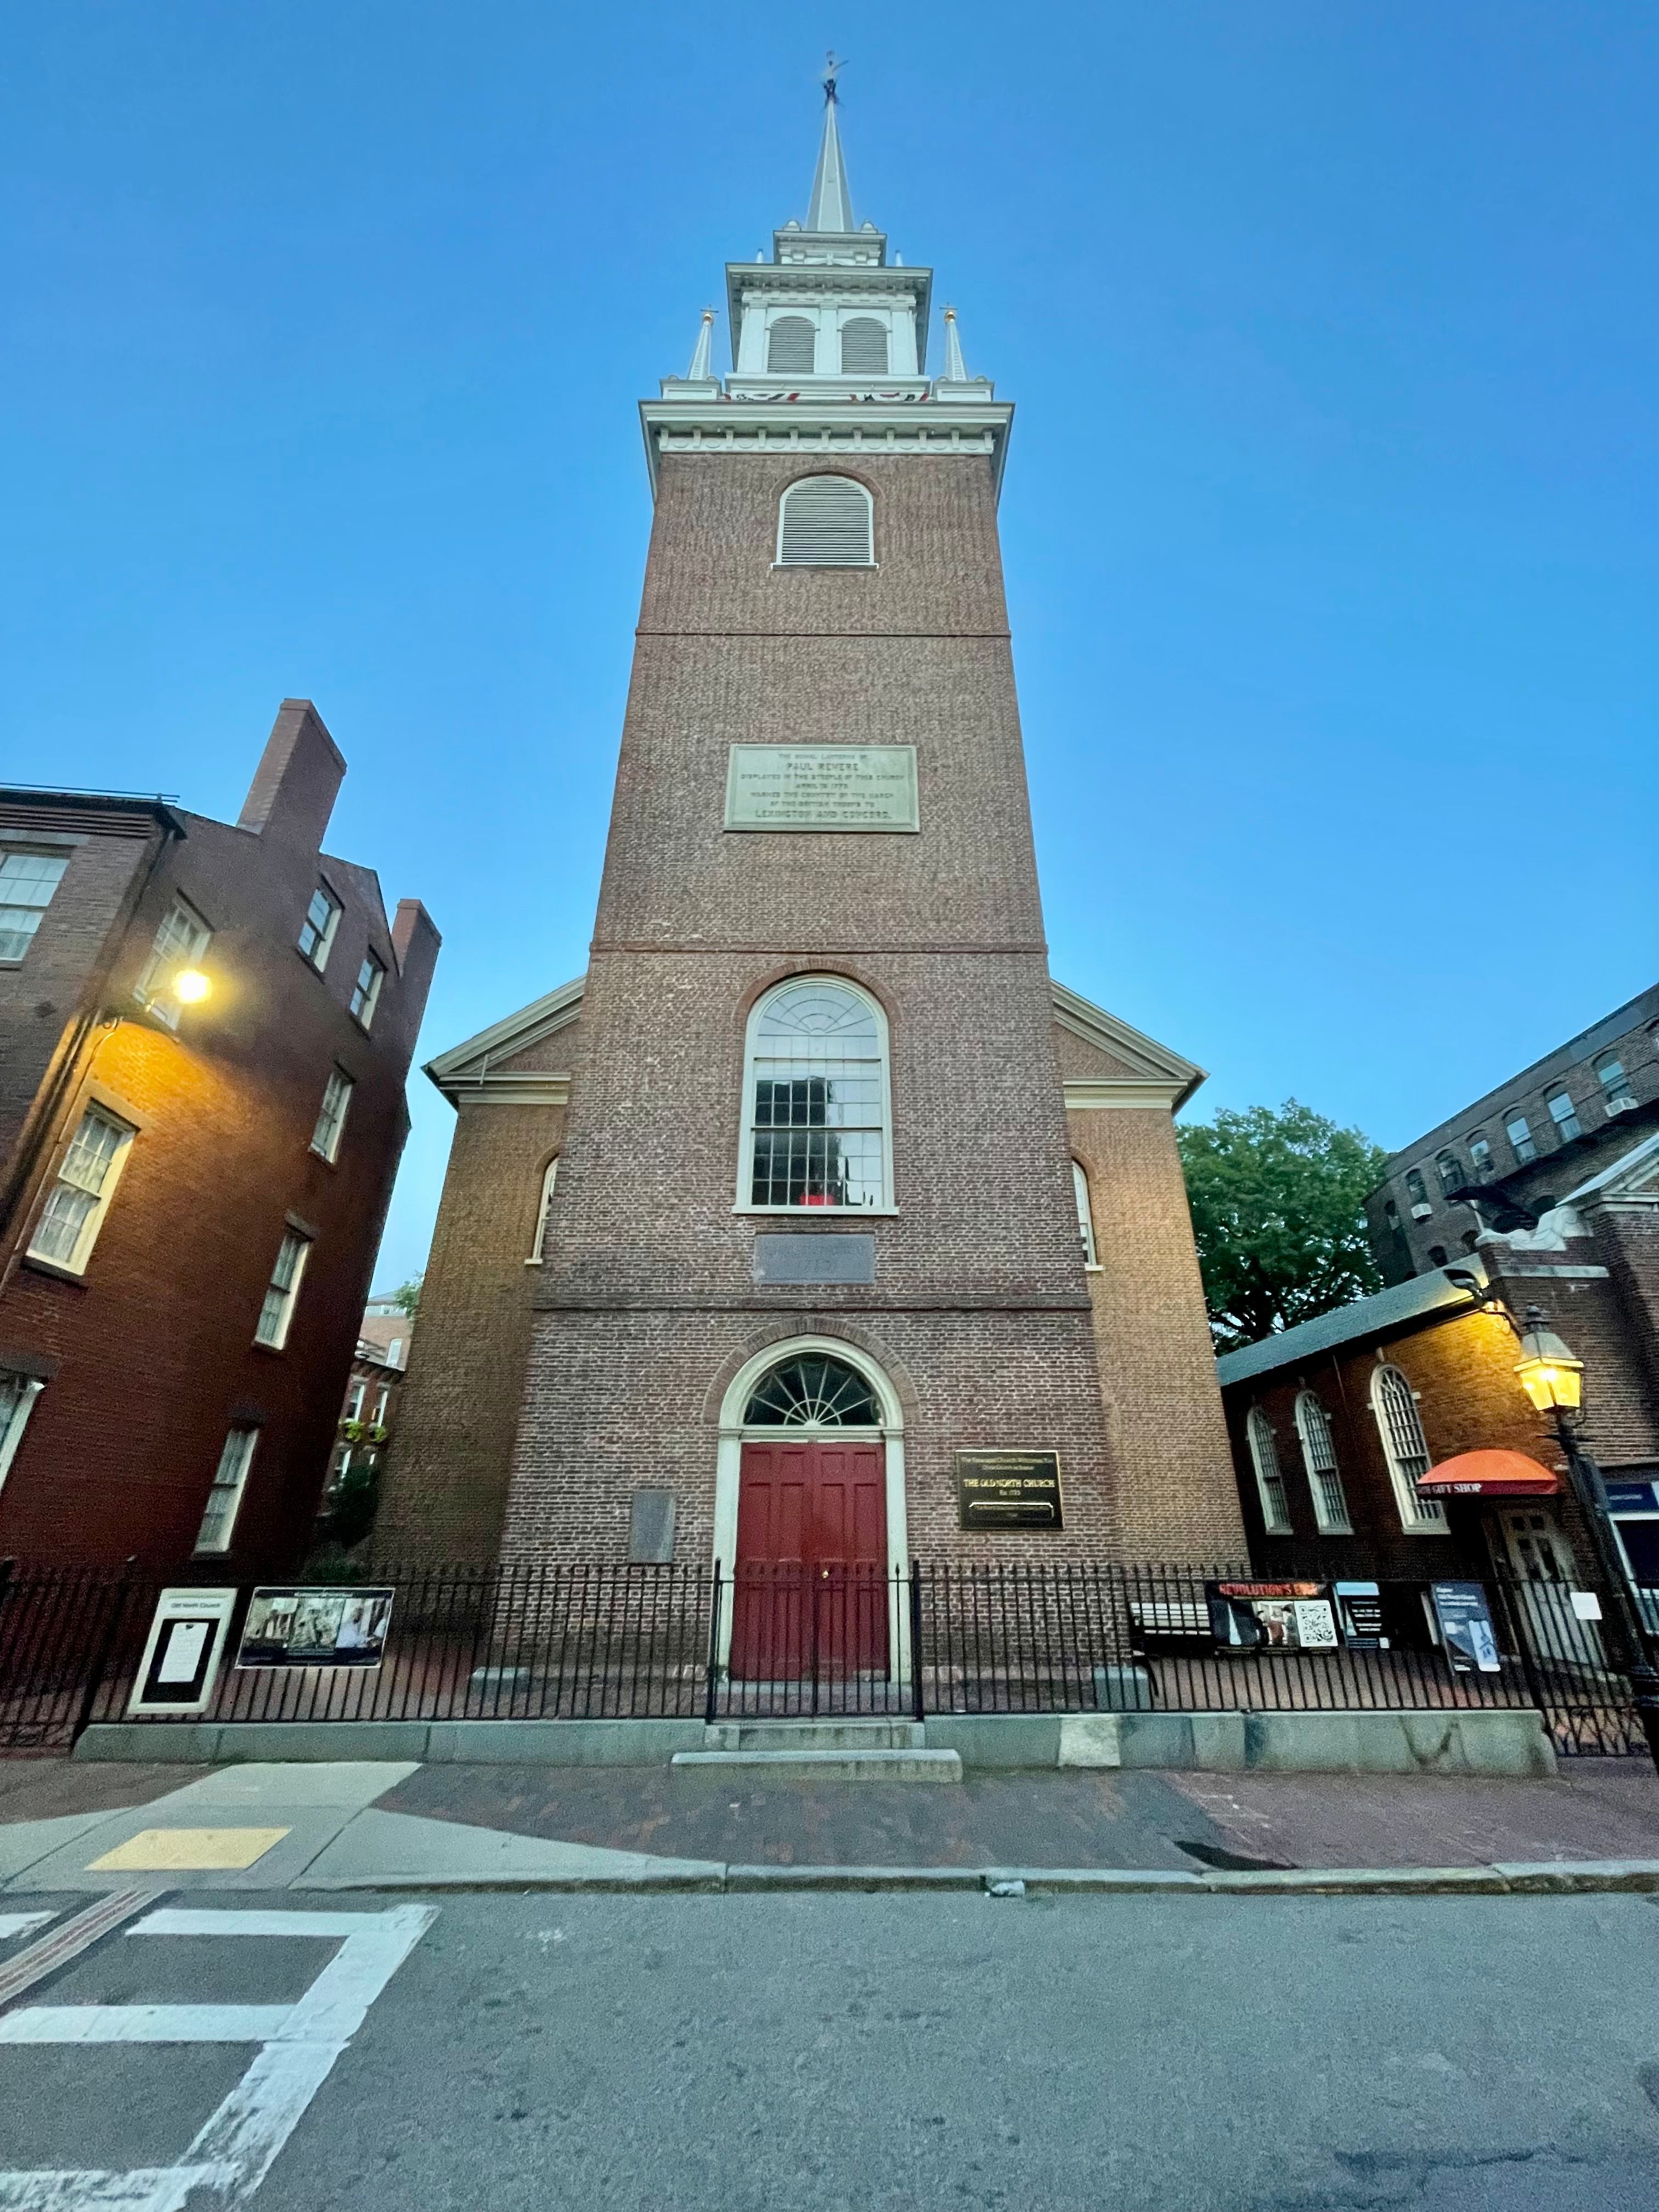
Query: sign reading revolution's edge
x,y
821,787
1008,1490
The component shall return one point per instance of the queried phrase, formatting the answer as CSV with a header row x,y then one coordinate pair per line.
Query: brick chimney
x,y
294,788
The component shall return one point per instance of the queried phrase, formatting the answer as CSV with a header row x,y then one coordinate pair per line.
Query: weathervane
x,y
831,72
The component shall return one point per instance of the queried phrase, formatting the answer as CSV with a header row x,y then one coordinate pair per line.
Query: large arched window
x,y
864,347
1405,1449
790,345
815,1100
826,522
813,1392
1269,1481
1313,1426
1085,1215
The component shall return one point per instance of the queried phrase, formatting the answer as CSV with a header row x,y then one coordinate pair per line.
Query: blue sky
x,y
1329,521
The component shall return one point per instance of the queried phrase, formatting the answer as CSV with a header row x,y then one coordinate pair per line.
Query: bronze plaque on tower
x,y
821,787
1008,1490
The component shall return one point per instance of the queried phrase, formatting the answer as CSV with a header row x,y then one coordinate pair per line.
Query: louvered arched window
x,y
826,522
1269,1481
864,347
1405,1449
1313,1426
790,346
817,1114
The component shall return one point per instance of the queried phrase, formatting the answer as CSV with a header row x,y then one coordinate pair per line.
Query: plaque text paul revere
x,y
821,787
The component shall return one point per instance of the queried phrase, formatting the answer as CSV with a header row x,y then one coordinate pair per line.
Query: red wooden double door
x,y
811,1594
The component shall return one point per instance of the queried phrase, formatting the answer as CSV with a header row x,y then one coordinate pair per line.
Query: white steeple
x,y
700,370
832,207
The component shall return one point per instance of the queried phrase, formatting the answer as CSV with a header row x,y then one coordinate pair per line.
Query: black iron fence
x,y
612,1642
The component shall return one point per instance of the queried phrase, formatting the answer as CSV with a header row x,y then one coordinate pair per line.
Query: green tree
x,y
1278,1200
407,1296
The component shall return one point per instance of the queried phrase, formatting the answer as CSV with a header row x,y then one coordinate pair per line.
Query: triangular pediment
x,y
1130,1058
506,1046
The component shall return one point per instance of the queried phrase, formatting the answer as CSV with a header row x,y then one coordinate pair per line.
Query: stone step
x,y
815,1735
798,1766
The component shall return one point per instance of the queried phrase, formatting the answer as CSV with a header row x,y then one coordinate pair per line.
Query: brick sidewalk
x,y
1598,1809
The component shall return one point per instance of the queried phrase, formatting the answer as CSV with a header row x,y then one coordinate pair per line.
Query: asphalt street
x,y
1154,2054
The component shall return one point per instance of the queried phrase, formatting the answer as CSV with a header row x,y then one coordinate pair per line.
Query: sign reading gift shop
x,y
1008,1490
821,787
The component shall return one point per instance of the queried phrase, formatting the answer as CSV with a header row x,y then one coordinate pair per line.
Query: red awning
x,y
1489,1474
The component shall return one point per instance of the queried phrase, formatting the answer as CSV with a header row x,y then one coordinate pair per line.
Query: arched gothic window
x,y
538,1243
1313,1426
864,347
813,1391
790,345
1405,1449
1269,1481
826,522
1085,1218
817,1113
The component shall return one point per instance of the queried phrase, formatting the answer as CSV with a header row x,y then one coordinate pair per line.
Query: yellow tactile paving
x,y
186,1851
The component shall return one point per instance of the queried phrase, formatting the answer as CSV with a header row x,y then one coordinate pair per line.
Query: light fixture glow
x,y
190,985
1546,1370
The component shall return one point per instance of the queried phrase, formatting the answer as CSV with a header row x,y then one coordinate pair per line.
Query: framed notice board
x,y
1008,1490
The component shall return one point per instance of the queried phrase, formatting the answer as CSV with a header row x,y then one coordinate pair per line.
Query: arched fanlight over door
x,y
812,1391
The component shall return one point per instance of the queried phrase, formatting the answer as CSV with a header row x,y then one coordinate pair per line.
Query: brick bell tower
x,y
815,1233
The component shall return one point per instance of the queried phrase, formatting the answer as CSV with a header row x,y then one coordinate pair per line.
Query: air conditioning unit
x,y
1621,1106
1421,1212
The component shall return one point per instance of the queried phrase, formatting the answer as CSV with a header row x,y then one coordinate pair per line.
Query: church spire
x,y
832,204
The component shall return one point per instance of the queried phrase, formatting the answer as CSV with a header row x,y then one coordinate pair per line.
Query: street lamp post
x,y
1554,1381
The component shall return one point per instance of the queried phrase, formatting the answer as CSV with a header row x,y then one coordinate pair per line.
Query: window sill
x,y
533,1263
357,1021
824,1213
1344,1531
1093,1267
275,1350
306,961
56,1268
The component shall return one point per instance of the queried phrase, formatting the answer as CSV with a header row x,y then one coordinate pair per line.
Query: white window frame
x,y
1560,1121
24,848
363,1013
190,940
23,1389
1330,1500
1419,1517
92,1227
1086,1216
538,1242
317,956
746,1126
834,475
1270,1485
339,1087
393,1352
236,1456
380,1405
278,1337
354,1397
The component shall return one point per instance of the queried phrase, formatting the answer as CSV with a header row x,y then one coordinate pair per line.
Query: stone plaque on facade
x,y
821,787
1008,1490
810,1258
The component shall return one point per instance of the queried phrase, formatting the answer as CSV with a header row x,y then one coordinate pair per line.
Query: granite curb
x,y
1546,1878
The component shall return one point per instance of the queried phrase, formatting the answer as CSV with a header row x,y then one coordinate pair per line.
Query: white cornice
x,y
1153,1063
811,425
466,1069
1087,1097
512,1087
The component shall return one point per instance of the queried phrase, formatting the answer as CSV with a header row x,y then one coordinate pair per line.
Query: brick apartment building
x,y
205,1031
368,1413
1331,1422
816,1179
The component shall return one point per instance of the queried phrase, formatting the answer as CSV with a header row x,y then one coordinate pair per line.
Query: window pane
x,y
219,1516
1615,1083
28,881
1564,1117
816,1101
180,941
67,1213
278,1301
317,934
1480,1153
68,1219
1520,1137
366,993
331,1118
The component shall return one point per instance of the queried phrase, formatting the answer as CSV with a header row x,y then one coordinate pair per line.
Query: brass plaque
x,y
1008,1490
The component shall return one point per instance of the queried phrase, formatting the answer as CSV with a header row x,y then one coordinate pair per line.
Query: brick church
x,y
817,1221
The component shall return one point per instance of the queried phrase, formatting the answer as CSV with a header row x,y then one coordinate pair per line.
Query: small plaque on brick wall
x,y
821,787
832,1258
650,1527
1008,1490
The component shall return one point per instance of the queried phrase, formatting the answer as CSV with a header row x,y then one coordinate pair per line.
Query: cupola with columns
x,y
829,324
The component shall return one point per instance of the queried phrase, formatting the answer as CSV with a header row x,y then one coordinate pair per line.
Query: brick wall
x,y
150,1352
